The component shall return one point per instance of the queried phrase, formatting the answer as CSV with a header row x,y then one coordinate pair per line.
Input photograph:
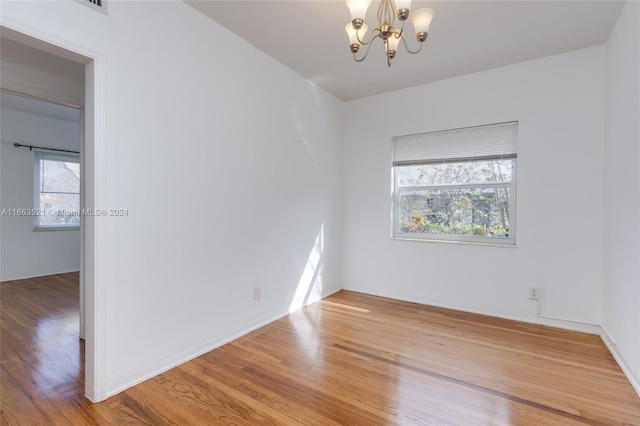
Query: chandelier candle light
x,y
385,30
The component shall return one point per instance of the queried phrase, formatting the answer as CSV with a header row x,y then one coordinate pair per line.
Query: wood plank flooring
x,y
351,359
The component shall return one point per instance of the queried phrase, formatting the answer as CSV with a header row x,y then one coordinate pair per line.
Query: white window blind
x,y
493,141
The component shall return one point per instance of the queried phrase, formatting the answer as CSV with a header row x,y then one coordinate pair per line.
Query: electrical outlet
x,y
534,293
257,293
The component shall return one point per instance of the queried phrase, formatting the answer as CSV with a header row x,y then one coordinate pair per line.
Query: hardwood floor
x,y
350,359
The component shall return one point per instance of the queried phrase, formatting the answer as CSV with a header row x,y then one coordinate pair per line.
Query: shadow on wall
x,y
309,287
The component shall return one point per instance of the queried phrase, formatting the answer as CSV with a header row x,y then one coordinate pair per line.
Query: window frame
x,y
37,208
396,192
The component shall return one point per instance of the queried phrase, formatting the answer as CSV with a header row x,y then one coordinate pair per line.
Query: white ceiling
x,y
466,36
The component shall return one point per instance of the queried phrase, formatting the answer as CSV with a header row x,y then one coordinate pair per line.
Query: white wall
x,y
229,165
26,253
559,103
621,301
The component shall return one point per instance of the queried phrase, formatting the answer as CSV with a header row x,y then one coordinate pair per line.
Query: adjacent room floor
x,y
350,359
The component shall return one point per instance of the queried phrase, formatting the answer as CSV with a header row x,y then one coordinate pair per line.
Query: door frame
x,y
93,230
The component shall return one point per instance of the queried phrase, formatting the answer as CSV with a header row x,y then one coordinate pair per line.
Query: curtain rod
x,y
31,147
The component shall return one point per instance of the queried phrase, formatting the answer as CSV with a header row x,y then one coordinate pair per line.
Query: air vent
x,y
99,5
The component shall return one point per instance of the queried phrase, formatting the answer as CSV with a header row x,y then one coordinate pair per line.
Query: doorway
x,y
89,104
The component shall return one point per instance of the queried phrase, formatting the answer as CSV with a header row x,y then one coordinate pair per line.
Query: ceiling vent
x,y
99,5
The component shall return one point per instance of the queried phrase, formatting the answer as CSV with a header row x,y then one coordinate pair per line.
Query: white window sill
x,y
472,243
56,228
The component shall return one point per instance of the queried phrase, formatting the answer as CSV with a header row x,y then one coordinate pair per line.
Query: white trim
x,y
83,271
571,325
136,377
98,390
17,277
613,348
462,242
96,260
539,315
456,239
56,228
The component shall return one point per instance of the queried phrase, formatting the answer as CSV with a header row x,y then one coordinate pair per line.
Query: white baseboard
x,y
613,348
179,358
566,324
27,275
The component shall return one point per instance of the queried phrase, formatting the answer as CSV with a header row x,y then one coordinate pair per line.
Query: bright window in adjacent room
x,y
456,185
57,191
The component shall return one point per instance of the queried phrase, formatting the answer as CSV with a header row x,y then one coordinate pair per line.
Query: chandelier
x,y
385,29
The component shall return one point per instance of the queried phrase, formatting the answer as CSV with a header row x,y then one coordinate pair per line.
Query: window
x,y
456,185
57,191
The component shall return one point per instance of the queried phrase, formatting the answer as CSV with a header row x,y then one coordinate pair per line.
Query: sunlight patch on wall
x,y
309,287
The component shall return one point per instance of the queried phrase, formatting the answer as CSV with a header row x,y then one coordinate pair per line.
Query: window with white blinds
x,y
456,185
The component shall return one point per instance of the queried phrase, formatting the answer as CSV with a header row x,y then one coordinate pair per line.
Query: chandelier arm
x,y
413,52
367,51
401,32
371,36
